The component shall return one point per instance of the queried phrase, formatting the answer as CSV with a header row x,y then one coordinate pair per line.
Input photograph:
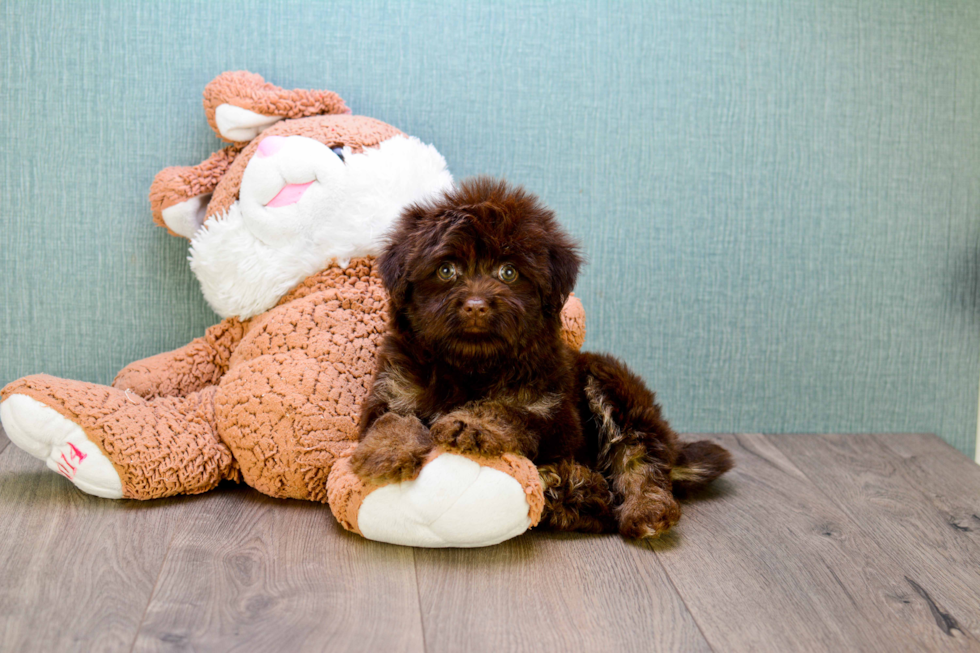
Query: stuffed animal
x,y
283,224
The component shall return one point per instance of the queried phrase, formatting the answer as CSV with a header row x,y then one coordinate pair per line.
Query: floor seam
x,y
418,598
680,596
4,439
156,583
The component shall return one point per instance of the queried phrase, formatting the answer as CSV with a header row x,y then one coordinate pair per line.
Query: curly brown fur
x,y
479,428
576,499
393,449
474,356
502,369
697,464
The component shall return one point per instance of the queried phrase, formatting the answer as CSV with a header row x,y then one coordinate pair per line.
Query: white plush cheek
x,y
285,195
284,225
260,182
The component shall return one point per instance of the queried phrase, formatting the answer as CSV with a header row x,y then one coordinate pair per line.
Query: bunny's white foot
x,y
44,433
454,502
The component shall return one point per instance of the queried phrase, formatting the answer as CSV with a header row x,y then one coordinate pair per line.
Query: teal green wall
x,y
780,201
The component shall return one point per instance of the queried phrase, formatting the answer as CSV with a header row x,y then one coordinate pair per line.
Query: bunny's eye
x,y
446,271
339,151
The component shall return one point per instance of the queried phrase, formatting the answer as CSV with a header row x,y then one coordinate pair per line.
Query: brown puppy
x,y
473,360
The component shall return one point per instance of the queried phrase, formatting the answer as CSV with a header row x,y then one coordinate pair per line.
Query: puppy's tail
x,y
699,463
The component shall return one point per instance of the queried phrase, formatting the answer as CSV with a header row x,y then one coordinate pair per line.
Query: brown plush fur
x,y
473,360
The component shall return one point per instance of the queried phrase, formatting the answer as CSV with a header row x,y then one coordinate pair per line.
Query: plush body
x,y
268,400
474,360
284,227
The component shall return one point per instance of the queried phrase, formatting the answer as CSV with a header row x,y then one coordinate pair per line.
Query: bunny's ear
x,y
179,196
239,105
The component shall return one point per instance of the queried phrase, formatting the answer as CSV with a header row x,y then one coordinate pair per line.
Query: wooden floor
x,y
813,543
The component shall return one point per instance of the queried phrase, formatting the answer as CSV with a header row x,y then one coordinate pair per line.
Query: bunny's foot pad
x,y
45,434
456,501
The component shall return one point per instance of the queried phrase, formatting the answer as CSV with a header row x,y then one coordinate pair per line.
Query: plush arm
x,y
193,367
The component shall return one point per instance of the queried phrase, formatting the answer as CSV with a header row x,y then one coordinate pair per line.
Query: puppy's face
x,y
483,272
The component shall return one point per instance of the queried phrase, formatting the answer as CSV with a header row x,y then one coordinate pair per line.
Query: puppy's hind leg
x,y
576,499
636,446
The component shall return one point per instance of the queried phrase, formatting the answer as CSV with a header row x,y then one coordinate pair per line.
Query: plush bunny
x,y
283,224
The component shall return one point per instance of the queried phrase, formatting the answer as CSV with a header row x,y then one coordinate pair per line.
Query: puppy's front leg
x,y
392,449
484,427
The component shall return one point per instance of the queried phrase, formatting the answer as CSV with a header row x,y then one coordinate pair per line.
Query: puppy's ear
x,y
392,266
563,266
393,262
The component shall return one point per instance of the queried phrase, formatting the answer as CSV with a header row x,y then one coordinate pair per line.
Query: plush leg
x,y
115,444
457,500
42,432
636,447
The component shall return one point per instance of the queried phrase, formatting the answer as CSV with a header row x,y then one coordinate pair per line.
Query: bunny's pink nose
x,y
271,144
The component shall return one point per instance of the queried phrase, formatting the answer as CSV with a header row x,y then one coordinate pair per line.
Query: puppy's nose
x,y
475,307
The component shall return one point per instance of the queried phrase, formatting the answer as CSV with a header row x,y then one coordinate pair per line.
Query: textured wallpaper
x,y
780,202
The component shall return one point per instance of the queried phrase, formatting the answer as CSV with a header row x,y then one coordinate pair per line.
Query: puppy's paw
x,y
647,515
392,450
576,499
471,433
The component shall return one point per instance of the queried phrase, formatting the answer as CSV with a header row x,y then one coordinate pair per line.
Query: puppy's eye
x,y
507,273
446,271
339,151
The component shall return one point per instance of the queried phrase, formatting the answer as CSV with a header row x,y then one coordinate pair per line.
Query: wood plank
x,y
766,562
552,592
906,507
247,572
950,480
857,543
76,571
